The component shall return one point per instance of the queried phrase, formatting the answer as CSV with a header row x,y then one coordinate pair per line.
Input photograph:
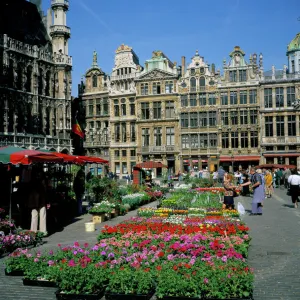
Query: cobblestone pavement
x,y
274,252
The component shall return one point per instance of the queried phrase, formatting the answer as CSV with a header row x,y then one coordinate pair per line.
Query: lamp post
x,y
232,162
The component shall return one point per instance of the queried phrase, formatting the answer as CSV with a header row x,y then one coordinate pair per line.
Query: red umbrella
x,y
15,155
93,160
70,158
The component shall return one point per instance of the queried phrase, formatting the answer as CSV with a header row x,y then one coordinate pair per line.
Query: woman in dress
x,y
229,192
258,192
294,182
269,184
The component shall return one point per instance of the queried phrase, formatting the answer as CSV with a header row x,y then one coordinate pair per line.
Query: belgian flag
x,y
77,129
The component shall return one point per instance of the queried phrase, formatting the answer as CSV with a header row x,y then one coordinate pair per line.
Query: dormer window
x,y
202,70
95,83
156,88
192,71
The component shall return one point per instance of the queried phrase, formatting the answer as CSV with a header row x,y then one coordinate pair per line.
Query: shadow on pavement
x,y
288,205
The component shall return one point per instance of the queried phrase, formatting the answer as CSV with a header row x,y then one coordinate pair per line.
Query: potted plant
x,y
81,280
17,262
128,283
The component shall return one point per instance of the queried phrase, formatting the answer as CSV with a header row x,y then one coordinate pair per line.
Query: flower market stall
x,y
189,248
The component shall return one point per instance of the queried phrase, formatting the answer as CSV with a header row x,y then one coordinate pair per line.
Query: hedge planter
x,y
63,296
178,298
14,273
248,298
112,296
42,283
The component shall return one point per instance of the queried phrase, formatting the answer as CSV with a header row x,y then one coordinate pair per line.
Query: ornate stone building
x,y
199,117
157,112
35,76
97,105
280,110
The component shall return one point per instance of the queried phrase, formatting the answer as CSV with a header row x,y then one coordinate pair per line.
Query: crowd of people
x,y
261,183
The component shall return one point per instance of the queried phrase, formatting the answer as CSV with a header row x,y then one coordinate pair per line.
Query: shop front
x,y
283,158
234,163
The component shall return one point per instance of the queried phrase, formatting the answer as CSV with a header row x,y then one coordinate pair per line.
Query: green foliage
x,y
125,280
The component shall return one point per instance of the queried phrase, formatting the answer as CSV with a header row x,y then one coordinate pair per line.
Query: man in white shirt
x,y
294,182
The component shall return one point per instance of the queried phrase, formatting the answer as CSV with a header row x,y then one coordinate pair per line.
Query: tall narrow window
x,y
225,140
243,97
193,84
185,141
123,107
233,98
157,110
203,119
253,95
254,139
290,95
117,132
292,125
244,139
242,75
279,97
202,99
213,140
124,132
184,120
202,83
157,136
232,76
234,117
170,135
224,98
184,100
95,79
132,132
144,88
293,67
224,116
203,140
145,111
280,125
194,119
253,116
98,107
156,88
105,106
132,109
170,107
212,99
194,141
193,100
234,139
145,137
268,98
269,126
169,87
116,108
212,117
243,117
91,108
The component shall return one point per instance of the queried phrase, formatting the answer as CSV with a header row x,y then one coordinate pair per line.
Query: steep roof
x,y
294,45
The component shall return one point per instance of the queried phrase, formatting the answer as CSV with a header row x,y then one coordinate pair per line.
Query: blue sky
x,y
179,28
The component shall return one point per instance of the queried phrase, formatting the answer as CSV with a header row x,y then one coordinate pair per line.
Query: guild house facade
x,y
35,75
193,116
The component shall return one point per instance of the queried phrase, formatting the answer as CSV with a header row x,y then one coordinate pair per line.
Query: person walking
x,y
215,178
258,192
269,184
221,173
245,179
294,182
286,174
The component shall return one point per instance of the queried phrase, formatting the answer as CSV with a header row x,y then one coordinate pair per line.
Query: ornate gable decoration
x,y
123,48
156,74
237,58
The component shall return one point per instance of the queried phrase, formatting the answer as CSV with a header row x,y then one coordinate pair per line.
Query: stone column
x,y
297,127
177,164
286,126
274,127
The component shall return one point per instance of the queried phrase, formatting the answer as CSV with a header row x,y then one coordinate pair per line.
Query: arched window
x,y
40,82
202,81
47,87
193,84
95,83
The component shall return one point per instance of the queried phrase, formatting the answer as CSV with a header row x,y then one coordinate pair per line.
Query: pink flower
x,y
205,280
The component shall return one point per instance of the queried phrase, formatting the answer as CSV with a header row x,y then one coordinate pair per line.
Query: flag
x,y
77,129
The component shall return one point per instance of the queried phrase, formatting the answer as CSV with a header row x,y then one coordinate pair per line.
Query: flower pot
x,y
14,273
89,227
113,296
62,296
43,283
98,218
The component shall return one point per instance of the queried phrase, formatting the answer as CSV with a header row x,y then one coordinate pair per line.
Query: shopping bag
x,y
241,208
